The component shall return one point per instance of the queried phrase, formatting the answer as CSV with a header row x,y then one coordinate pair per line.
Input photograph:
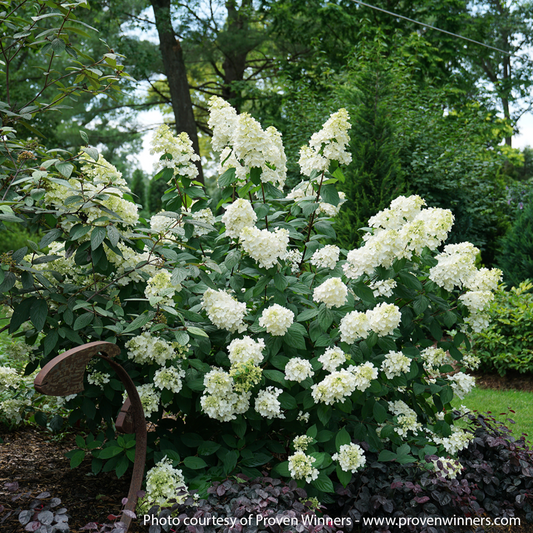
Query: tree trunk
x,y
176,74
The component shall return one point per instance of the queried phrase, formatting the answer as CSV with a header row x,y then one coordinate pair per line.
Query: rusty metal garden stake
x,y
63,376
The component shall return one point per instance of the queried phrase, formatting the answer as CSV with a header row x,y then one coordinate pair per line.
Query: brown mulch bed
x,y
38,464
511,381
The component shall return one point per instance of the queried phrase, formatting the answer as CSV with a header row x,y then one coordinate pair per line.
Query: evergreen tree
x,y
374,178
516,259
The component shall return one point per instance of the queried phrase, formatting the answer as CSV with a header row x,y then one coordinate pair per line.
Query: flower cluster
x,y
326,257
329,144
276,319
169,378
383,288
146,348
301,466
98,378
150,399
351,457
245,145
267,403
266,247
163,482
382,320
238,215
399,232
406,419
224,311
462,384
246,350
180,150
160,290
332,358
301,442
332,293
298,369
457,441
433,358
395,364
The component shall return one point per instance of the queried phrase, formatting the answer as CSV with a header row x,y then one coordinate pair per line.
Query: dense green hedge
x,y
507,344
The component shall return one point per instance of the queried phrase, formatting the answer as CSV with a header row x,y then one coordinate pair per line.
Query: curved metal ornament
x,y
64,375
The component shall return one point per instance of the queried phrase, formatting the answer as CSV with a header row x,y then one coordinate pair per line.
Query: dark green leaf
x,y
97,237
38,314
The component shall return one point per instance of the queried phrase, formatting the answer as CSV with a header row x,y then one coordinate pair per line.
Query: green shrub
x,y
507,344
516,259
15,238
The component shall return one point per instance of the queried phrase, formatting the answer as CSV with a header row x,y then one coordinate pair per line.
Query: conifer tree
x,y
516,259
374,177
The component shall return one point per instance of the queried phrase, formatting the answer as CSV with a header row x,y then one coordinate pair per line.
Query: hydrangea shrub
x,y
256,343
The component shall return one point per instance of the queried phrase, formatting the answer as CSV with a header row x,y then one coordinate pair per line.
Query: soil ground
x,y
30,457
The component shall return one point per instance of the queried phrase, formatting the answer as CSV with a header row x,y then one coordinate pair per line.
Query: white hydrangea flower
x,y
224,311
245,145
401,211
456,265
395,364
302,417
224,407
302,442
332,292
484,280
433,358
355,325
363,374
267,403
218,382
246,350
447,467
298,369
399,231
276,319
383,288
165,225
266,247
145,348
9,377
332,358
351,457
462,384
239,215
150,399
222,121
179,147
294,258
12,409
98,378
335,387
384,319
457,441
326,257
477,301
406,418
169,378
471,361
163,482
329,144
160,286
301,467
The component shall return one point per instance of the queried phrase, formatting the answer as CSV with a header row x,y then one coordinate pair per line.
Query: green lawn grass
x,y
498,402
